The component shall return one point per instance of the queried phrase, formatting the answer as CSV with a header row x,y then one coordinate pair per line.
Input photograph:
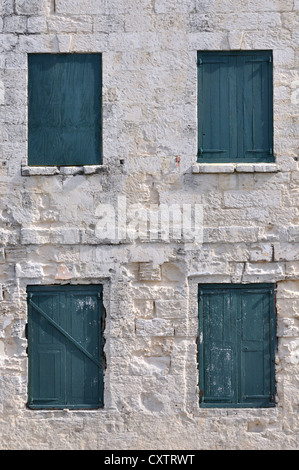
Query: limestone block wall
x,y
50,219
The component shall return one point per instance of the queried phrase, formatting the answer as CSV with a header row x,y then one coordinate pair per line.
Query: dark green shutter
x,y
219,337
65,347
235,116
64,109
216,116
236,347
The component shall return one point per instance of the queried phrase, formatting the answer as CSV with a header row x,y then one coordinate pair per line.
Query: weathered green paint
x,y
235,100
64,109
236,345
65,347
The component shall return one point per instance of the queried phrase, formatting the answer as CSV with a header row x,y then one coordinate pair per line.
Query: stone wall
x,y
49,222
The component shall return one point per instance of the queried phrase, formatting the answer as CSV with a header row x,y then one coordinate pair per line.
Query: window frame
x,y
271,345
201,158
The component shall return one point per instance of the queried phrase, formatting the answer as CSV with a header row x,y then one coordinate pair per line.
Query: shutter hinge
x,y
270,59
199,62
26,331
201,393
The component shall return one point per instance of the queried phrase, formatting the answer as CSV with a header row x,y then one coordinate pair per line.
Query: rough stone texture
x,y
49,220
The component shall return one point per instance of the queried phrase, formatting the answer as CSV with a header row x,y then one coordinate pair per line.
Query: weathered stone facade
x,y
49,221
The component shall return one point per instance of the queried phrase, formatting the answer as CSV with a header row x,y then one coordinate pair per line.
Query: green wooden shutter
x,y
219,342
235,115
236,348
256,354
254,78
65,347
216,116
64,109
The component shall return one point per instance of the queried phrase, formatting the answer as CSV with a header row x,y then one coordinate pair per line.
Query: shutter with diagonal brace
x,y
65,346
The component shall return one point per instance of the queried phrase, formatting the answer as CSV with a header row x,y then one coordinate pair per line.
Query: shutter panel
x,y
83,376
215,112
255,349
235,115
236,348
64,109
219,348
46,353
65,347
255,106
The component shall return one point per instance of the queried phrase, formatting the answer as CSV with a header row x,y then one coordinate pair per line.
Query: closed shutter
x,y
64,109
256,355
216,111
236,353
219,347
254,82
65,346
235,115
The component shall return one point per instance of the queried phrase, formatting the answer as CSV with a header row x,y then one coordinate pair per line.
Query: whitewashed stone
x,y
213,168
29,270
169,308
65,236
6,7
262,253
39,171
239,199
15,24
154,327
294,234
79,7
264,271
36,24
150,365
148,273
64,42
34,236
144,308
2,255
292,268
2,92
48,221
24,7
70,25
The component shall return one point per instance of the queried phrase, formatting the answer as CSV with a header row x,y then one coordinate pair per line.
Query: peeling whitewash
x,y
49,220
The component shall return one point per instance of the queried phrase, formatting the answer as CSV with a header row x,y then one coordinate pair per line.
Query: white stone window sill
x,y
234,168
62,170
